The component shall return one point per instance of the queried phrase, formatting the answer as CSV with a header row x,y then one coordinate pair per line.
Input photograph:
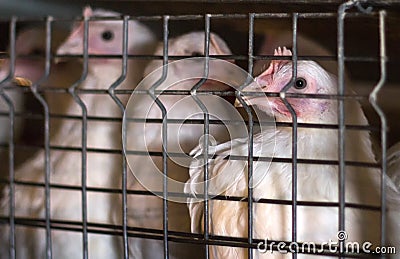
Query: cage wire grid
x,y
207,239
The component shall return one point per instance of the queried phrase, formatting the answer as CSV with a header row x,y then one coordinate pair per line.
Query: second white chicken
x,y
66,165
182,75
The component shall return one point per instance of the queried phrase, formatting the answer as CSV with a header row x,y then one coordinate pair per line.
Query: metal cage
x,y
379,18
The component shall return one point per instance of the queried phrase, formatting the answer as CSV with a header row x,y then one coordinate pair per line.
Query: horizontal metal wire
x,y
173,154
223,57
310,15
173,236
199,196
193,121
206,92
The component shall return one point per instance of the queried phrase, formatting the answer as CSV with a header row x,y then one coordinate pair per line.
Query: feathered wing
x,y
364,151
194,187
228,177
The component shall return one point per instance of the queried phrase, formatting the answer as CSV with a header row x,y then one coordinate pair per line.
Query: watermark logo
x,y
342,235
338,246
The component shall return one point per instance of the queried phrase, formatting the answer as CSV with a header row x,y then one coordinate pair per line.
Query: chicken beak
x,y
67,49
73,45
21,81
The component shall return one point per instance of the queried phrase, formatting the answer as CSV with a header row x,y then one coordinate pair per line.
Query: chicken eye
x,y
107,35
37,52
300,83
196,54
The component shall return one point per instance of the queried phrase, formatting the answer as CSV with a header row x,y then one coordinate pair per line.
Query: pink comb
x,y
87,12
277,64
78,28
265,78
282,52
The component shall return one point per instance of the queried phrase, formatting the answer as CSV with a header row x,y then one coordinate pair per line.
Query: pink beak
x,y
73,45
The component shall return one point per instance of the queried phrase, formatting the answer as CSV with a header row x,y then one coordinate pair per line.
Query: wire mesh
x,y
206,239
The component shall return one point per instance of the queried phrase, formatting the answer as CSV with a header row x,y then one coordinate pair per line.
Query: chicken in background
x,y
147,211
315,182
30,49
102,168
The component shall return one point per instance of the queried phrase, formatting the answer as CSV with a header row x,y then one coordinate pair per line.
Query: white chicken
x,y
182,75
30,47
102,168
28,42
315,182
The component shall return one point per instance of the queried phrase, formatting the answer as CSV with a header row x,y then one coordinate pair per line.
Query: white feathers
x,y
27,42
102,169
315,182
181,138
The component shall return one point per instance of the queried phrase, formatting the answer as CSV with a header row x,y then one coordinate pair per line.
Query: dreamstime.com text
x,y
332,246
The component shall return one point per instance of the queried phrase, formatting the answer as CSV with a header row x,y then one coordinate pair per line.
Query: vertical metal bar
x,y
47,141
164,152
77,99
34,89
206,130
341,119
206,133
111,92
250,123
164,134
11,145
250,51
294,140
250,144
294,129
11,141
373,100
124,163
84,147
